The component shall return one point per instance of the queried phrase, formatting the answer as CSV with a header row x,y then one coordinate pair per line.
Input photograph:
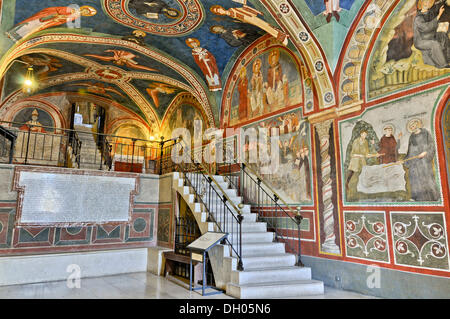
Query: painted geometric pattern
x,y
33,236
164,224
72,236
6,226
365,235
141,225
420,240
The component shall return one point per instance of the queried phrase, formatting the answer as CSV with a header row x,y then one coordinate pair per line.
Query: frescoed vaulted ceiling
x,y
128,51
143,54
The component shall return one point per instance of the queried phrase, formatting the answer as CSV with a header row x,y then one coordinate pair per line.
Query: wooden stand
x,y
172,257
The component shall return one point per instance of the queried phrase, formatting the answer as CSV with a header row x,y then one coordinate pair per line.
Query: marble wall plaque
x,y
74,198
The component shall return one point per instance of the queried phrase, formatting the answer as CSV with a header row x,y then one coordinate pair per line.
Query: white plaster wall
x,y
54,267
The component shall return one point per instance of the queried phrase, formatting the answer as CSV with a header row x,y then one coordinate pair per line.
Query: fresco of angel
x,y
156,88
45,64
120,58
98,88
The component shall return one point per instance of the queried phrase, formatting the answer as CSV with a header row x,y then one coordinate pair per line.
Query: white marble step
x,y
291,273
253,237
248,218
246,227
276,289
261,249
272,261
218,198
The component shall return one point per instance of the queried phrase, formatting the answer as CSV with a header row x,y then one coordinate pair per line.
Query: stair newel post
x,y
110,159
275,199
102,150
224,206
79,153
28,144
11,152
298,220
161,154
240,265
66,154
258,198
241,181
209,196
133,141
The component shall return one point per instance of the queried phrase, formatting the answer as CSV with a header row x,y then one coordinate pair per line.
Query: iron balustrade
x,y
219,208
267,205
186,231
265,201
7,142
50,146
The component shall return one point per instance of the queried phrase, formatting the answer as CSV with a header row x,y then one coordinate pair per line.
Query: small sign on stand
x,y
198,249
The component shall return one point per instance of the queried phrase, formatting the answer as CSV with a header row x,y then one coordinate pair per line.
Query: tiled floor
x,y
136,286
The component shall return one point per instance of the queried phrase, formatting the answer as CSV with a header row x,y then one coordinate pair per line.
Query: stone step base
x,y
276,289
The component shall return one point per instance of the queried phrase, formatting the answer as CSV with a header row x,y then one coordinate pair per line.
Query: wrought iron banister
x,y
5,135
219,207
267,199
271,211
51,146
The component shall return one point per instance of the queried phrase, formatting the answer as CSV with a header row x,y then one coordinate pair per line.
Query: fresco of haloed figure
x,y
391,156
267,83
291,177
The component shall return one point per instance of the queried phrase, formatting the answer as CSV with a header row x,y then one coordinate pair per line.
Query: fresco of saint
x,y
47,18
431,36
388,146
33,125
292,177
235,37
151,9
274,83
419,161
277,89
243,93
332,9
207,63
256,91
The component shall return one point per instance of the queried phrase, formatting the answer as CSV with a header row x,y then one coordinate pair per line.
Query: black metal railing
x,y
7,142
186,231
219,208
39,145
266,202
86,149
271,209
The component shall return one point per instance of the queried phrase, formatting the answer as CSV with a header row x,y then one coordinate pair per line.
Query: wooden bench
x,y
172,257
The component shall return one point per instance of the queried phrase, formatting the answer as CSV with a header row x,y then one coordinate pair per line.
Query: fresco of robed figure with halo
x,y
267,83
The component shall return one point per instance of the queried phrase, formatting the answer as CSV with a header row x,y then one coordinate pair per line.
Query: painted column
x,y
329,245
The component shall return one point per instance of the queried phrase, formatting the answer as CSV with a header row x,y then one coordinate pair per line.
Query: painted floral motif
x,y
420,240
365,235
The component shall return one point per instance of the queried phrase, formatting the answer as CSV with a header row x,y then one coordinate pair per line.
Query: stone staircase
x,y
269,272
90,154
